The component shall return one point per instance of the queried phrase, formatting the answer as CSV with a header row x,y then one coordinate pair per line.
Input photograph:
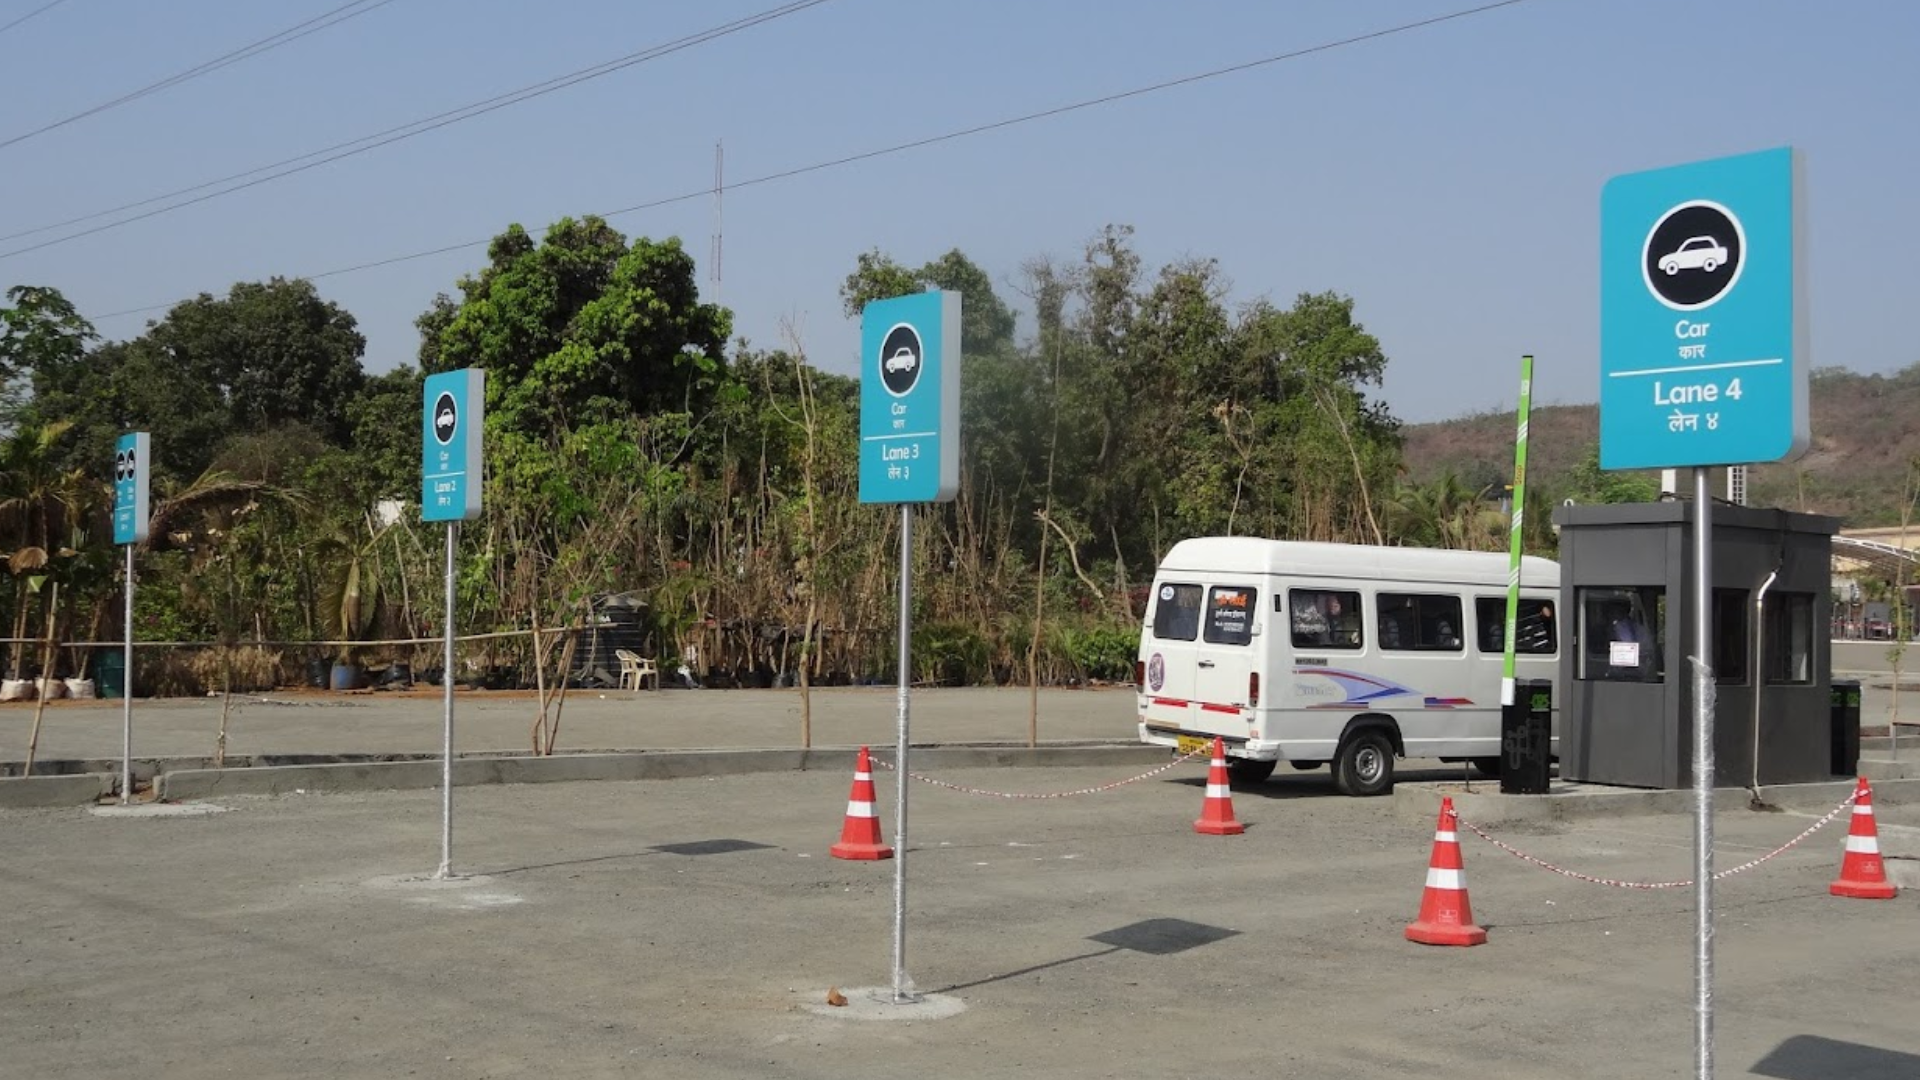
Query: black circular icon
x,y
123,465
899,359
1693,255
446,418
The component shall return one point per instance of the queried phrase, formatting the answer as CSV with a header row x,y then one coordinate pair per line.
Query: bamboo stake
x,y
46,665
226,706
560,701
539,682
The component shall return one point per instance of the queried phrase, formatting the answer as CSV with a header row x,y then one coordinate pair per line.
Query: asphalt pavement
x,y
693,929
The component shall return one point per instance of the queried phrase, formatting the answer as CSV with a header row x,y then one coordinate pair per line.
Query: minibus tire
x,y
1487,767
1306,766
1364,765
1248,771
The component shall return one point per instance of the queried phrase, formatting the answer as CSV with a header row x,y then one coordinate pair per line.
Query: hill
x,y
1866,438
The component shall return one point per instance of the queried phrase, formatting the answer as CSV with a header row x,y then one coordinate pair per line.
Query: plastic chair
x,y
638,668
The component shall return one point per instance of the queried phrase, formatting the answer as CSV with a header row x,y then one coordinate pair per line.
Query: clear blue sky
x,y
1447,178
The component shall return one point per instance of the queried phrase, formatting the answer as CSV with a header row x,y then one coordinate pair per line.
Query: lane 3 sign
x,y
910,399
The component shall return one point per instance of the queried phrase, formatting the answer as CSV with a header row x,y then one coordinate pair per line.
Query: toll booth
x,y
1626,594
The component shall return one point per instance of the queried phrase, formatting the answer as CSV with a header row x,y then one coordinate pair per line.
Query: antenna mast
x,y
719,187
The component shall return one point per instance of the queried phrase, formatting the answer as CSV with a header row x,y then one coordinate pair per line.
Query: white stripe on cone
x,y
1446,837
1863,845
1451,880
1219,791
867,776
860,809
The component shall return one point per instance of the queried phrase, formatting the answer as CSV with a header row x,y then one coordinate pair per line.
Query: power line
x,y
353,147
50,5
245,52
958,133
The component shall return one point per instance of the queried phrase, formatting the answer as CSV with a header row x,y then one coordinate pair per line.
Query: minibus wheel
x,y
1365,764
1306,766
1247,771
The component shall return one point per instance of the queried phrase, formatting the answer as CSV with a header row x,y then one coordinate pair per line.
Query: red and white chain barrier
x,y
1591,880
1169,766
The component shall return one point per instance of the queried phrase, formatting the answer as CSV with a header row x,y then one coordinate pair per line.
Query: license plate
x,y
1192,744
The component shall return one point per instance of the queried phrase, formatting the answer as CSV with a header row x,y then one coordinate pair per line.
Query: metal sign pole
x,y
1703,691
901,993
126,696
446,694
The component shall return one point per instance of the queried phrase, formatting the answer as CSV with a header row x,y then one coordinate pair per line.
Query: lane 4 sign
x,y
1703,325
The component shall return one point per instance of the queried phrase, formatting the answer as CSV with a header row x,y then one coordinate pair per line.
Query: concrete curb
x,y
36,792
646,765
1878,770
1579,802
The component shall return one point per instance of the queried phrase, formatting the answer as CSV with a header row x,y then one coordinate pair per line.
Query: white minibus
x,y
1348,654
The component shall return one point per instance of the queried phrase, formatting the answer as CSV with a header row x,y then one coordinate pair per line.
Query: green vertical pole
x,y
1519,518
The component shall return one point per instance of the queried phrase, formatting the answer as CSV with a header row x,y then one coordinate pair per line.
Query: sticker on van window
x,y
1156,672
1230,616
1166,592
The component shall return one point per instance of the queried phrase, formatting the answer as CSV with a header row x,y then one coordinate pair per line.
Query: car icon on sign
x,y
1698,253
444,421
901,360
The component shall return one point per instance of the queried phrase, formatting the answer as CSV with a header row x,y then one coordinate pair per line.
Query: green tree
x,y
1588,483
40,331
581,326
275,350
266,355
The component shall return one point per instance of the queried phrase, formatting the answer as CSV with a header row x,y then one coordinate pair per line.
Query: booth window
x,y
1731,643
1534,630
1419,622
1788,620
1622,633
1230,612
1323,618
1176,614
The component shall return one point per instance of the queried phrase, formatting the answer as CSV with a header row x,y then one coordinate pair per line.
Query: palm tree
x,y
36,500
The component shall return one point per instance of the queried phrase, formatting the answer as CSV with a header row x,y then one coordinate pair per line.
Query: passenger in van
x,y
1536,633
1396,628
1343,627
1491,635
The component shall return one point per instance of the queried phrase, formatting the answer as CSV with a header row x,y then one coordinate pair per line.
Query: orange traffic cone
x,y
1863,875
860,836
1216,813
1446,915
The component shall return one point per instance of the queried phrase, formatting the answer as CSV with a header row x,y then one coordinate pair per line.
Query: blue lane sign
x,y
131,513
1703,324
450,436
910,399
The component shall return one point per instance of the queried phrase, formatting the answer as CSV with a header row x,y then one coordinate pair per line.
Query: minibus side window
x,y
1230,612
1419,622
1323,618
1176,614
1535,630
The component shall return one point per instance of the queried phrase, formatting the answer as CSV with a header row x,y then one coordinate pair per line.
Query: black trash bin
x,y
1845,716
1526,739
